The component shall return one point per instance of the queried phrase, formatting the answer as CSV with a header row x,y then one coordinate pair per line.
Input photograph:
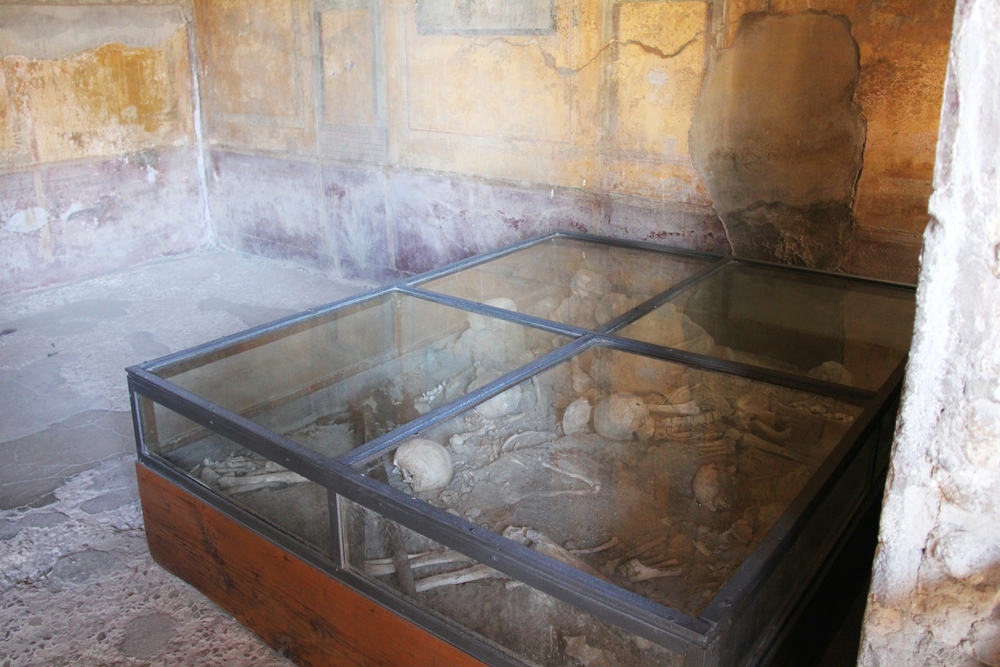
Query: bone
x,y
687,422
550,494
500,405
527,439
681,410
464,576
647,546
592,482
621,417
576,418
425,464
770,433
708,487
750,440
378,567
545,545
610,544
259,481
635,571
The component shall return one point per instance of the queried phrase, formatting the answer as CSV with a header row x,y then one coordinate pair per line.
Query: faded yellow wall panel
x,y
654,84
252,70
15,141
658,74
257,63
348,67
105,101
511,107
904,55
487,87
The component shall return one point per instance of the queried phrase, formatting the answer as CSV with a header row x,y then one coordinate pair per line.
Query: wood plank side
x,y
294,607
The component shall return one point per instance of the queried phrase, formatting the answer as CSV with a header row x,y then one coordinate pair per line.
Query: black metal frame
x,y
701,640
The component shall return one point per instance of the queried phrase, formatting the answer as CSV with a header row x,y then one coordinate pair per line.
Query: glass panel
x,y
837,330
536,627
571,281
346,378
284,499
654,476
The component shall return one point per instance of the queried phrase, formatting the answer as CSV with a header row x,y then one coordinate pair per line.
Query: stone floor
x,y
77,584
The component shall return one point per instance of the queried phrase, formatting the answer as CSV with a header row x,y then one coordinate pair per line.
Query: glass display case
x,y
574,451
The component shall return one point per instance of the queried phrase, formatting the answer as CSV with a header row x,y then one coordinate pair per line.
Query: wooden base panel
x,y
296,608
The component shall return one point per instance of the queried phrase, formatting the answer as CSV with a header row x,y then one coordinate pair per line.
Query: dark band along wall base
x,y
570,451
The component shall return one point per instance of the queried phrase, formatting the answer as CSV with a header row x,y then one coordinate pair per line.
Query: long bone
x,y
750,440
259,481
378,567
636,571
464,576
547,546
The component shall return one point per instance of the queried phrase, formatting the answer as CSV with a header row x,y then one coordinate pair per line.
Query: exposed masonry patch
x,y
780,148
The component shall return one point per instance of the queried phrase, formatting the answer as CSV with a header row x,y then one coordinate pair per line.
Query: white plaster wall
x,y
934,597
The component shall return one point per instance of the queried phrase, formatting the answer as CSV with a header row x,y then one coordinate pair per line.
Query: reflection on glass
x,y
536,627
277,495
571,281
345,378
826,328
656,477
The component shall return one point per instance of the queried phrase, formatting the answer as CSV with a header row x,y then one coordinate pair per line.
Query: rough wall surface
x,y
903,48
779,144
934,597
98,155
586,102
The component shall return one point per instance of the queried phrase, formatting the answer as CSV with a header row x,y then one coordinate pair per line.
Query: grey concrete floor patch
x,y
77,568
145,345
77,583
109,501
71,319
37,395
252,315
147,636
34,466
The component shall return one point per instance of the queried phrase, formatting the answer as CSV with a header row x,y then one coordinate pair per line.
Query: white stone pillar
x,y
935,597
